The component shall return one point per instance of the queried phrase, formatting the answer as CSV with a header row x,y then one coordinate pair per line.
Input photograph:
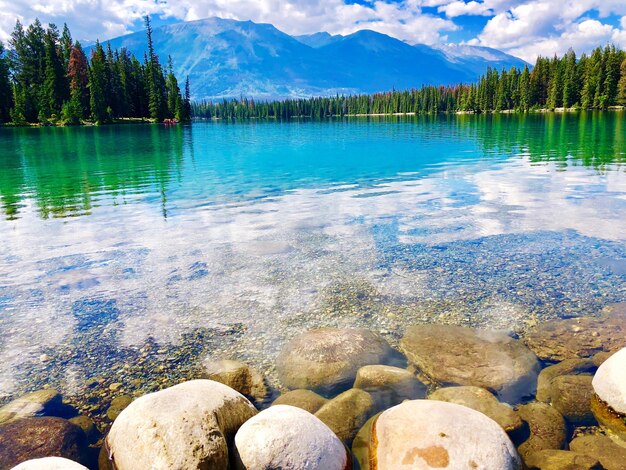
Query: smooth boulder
x,y
288,438
33,438
429,434
611,455
238,376
47,402
609,401
547,428
483,401
454,355
326,360
389,385
566,367
50,463
561,460
571,396
304,399
347,412
187,426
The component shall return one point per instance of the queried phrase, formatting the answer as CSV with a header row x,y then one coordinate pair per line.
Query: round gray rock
x,y
50,463
429,434
188,426
326,360
453,355
288,438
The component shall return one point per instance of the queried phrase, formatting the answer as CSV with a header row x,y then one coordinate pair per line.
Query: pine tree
x,y
570,80
156,83
6,93
55,90
186,115
97,85
621,88
78,75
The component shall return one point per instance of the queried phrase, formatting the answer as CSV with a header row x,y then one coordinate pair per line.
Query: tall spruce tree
x,y
97,85
6,93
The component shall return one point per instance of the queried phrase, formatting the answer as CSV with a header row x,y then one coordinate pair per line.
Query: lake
x,y
129,253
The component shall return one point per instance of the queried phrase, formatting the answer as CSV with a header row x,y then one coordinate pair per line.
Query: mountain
x,y
228,58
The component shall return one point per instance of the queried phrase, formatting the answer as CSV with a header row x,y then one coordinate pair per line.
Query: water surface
x,y
128,253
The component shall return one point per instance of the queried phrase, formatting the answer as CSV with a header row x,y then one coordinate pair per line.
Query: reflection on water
x,y
117,236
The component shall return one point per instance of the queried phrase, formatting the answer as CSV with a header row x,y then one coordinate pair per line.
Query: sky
x,y
524,28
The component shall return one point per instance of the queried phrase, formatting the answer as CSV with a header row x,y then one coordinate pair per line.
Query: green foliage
x,y
47,78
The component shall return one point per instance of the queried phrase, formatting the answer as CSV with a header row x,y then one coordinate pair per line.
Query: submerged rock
x,y
483,401
346,413
547,428
579,337
571,396
34,438
361,444
454,355
118,404
561,460
50,463
46,402
433,434
611,455
389,385
288,438
609,402
88,427
567,367
326,360
304,399
187,426
238,376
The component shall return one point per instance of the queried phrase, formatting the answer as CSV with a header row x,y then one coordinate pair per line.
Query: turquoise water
x,y
131,252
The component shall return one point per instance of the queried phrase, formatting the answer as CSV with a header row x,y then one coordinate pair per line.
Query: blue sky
x,y
525,28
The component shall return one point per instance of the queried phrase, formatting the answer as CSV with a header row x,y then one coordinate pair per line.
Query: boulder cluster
x,y
449,398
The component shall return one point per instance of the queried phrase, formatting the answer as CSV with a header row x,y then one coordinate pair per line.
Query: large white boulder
x,y
50,463
288,438
609,401
430,434
188,426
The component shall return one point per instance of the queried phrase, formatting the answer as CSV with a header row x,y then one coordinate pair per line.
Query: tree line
x,y
594,81
46,78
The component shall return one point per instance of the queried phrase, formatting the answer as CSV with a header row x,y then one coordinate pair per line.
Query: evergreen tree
x,y
78,74
55,90
621,87
97,86
6,93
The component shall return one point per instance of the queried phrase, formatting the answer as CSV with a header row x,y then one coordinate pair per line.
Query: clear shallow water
x,y
130,252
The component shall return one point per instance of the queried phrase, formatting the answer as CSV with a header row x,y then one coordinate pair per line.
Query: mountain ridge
x,y
228,59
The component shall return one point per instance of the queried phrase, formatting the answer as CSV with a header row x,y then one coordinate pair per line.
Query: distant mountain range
x,y
227,58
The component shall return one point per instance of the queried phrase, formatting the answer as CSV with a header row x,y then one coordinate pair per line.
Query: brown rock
x,y
88,427
571,396
481,400
47,402
346,413
567,367
611,455
453,355
304,399
547,428
608,417
32,438
361,444
389,385
561,460
238,376
579,337
117,406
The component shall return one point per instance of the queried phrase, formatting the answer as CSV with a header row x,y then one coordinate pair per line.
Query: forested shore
x,y
595,81
46,78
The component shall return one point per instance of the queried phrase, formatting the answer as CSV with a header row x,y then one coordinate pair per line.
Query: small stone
x,y
481,400
346,413
571,396
50,463
118,404
566,367
114,387
44,358
47,402
389,385
238,376
288,438
561,460
304,399
611,455
547,428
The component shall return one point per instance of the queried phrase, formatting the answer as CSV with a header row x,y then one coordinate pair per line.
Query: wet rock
x,y
88,427
346,413
571,396
46,402
453,355
609,402
434,434
483,401
238,376
304,399
361,444
611,455
33,438
599,358
326,360
118,404
579,337
288,438
561,460
187,426
50,463
547,428
389,385
567,367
